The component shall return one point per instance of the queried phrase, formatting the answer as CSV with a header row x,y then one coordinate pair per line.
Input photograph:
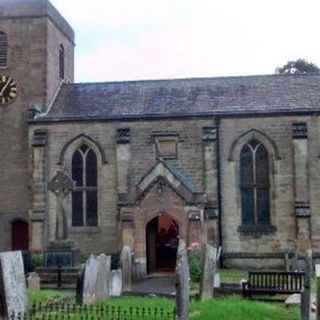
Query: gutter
x,y
218,163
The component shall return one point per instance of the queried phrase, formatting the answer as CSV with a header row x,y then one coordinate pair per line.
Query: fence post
x,y
59,275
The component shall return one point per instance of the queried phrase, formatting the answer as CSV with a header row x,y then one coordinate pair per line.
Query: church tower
x,y
36,55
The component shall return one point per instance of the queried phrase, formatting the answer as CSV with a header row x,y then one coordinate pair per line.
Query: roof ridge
x,y
194,79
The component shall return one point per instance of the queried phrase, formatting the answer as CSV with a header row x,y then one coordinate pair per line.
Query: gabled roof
x,y
185,97
174,177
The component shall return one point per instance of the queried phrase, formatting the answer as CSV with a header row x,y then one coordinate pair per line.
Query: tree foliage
x,y
300,66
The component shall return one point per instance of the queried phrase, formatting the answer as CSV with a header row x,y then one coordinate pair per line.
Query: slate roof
x,y
181,175
186,97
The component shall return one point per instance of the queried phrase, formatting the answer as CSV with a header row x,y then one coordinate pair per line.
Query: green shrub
x,y
36,261
195,265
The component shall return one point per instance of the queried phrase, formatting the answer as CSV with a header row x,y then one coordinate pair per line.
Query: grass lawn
x,y
236,308
232,275
225,308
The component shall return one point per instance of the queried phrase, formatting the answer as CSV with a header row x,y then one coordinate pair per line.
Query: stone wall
x,y
31,35
107,236
282,178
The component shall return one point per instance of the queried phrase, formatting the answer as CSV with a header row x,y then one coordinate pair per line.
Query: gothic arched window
x,y
61,61
84,194
254,184
3,49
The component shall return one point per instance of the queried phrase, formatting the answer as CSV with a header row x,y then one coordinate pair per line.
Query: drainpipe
x,y
218,162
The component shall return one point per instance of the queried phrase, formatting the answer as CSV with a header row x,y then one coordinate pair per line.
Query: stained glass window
x,y
84,195
254,184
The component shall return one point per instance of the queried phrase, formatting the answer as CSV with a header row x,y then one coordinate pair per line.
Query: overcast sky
x,y
159,39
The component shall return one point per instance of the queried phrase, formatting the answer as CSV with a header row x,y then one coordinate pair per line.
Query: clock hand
x,y
5,86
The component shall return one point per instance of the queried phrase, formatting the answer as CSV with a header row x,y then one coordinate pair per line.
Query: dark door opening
x,y
19,235
162,236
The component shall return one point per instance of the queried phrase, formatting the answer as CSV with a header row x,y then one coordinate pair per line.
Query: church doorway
x,y
19,235
162,236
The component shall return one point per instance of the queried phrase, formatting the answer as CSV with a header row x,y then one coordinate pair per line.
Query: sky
x,y
161,39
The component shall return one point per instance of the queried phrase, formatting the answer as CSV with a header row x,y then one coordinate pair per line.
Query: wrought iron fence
x,y
64,311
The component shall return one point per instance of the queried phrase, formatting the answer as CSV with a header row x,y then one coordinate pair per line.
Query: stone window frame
x,y
252,149
159,137
84,151
234,156
65,160
3,50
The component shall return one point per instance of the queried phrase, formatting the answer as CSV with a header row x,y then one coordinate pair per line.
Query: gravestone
x,y
208,272
61,251
318,290
126,266
13,295
115,288
182,283
305,295
217,281
33,281
103,276
90,280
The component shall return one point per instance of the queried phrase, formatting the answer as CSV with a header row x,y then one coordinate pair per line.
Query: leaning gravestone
x,y
116,283
182,283
103,276
125,260
13,294
208,272
90,280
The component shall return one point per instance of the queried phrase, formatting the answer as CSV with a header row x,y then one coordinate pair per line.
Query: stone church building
x,y
232,161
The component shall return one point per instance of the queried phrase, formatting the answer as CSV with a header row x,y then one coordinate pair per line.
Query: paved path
x,y
159,285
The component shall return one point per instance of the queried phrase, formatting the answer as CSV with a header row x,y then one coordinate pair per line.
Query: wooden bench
x,y
270,283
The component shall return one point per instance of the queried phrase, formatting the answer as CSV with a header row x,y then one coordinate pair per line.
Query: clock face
x,y
8,89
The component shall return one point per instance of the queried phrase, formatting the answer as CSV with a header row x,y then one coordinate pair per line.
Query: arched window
x,y
61,61
3,49
84,194
254,184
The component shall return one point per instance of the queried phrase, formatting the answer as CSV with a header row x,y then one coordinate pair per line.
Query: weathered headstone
x,y
208,272
90,280
116,283
217,280
182,283
305,295
13,295
103,276
318,290
126,265
33,281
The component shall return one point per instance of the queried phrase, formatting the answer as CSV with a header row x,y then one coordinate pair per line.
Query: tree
x,y
300,66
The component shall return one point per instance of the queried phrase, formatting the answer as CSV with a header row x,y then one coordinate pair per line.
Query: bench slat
x,y
274,282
